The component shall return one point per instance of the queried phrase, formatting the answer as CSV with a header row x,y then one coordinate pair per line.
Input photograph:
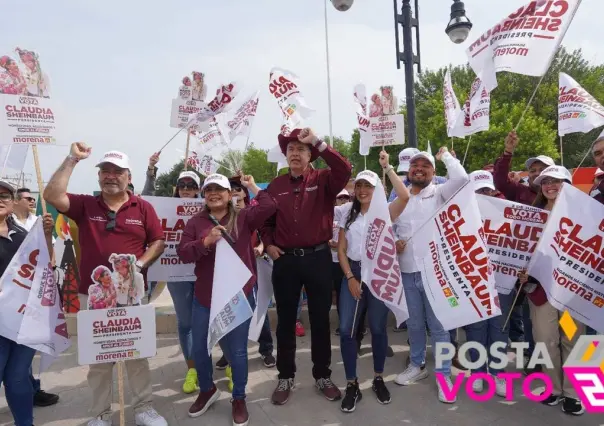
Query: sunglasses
x,y
111,222
30,199
5,196
343,198
183,185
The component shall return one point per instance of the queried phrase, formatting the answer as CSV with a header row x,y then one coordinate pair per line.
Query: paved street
x,y
414,405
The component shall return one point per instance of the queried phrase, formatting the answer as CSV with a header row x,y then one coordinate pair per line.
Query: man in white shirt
x,y
426,198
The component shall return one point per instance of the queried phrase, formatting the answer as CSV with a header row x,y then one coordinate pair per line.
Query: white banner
x,y
385,130
206,165
569,259
274,155
578,111
283,85
264,295
380,270
173,213
525,41
475,114
215,136
240,121
28,120
222,102
118,334
360,97
453,259
452,108
512,231
182,109
229,306
13,157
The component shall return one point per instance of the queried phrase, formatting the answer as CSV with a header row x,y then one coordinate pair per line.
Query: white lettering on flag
x,y
283,86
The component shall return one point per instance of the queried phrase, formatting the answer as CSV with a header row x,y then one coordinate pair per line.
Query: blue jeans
x,y
182,297
233,345
300,305
420,311
34,382
15,364
490,331
377,312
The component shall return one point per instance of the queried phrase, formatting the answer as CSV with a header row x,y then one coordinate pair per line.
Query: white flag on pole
x,y
239,121
229,306
452,109
474,117
578,111
380,270
264,296
274,155
222,102
283,85
13,156
525,41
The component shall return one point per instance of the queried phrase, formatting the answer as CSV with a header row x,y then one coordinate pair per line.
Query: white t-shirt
x,y
337,215
29,222
354,234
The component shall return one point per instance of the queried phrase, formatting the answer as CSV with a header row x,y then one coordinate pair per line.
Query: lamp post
x,y
458,29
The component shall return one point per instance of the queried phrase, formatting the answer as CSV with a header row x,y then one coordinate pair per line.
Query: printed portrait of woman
x,y
129,284
186,91
12,82
389,101
102,294
376,109
37,81
200,89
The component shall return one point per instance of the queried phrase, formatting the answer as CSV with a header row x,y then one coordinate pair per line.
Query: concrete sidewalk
x,y
413,405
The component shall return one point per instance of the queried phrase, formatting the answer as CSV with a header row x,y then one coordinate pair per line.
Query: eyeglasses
x,y
111,222
183,185
5,196
30,199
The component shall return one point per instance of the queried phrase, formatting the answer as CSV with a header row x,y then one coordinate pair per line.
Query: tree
x,y
256,164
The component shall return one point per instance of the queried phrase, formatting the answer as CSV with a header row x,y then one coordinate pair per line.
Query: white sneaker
x,y
500,387
478,385
149,418
441,394
411,375
99,422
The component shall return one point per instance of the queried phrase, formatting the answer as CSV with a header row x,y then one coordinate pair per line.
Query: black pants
x,y
338,282
290,273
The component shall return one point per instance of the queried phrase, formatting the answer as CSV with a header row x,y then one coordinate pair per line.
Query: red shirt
x,y
191,248
513,191
136,226
304,215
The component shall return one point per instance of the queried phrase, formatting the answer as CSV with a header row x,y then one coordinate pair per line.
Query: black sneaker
x,y
45,399
389,352
528,371
552,400
572,406
338,331
352,396
268,360
222,363
381,391
365,331
397,329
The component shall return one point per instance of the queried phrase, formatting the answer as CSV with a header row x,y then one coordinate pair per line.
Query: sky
x,y
115,66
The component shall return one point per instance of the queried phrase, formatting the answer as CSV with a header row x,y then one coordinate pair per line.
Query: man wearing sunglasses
x,y
115,221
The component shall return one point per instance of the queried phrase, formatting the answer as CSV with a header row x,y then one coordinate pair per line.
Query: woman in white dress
x,y
200,89
37,81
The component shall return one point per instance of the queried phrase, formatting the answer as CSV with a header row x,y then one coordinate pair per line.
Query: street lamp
x,y
457,30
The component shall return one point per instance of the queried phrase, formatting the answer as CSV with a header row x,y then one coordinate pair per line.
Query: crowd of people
x,y
311,227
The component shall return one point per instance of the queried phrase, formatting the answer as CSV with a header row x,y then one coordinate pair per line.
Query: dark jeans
x,y
15,366
265,340
378,319
290,273
338,282
34,382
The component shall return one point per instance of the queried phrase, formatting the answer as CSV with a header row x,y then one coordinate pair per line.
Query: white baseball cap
x,y
368,176
482,179
218,179
404,159
425,155
7,185
556,172
343,193
543,158
115,157
190,175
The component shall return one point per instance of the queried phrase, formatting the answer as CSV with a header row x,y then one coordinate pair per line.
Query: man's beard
x,y
421,184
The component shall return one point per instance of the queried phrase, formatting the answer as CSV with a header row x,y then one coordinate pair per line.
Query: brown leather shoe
x,y
281,393
329,390
240,414
203,402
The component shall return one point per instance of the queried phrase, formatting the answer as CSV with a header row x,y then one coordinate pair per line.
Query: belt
x,y
301,252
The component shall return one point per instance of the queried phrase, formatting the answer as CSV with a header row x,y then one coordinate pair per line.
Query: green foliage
x,y
165,182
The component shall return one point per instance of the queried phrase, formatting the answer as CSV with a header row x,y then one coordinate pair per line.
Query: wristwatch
x,y
139,265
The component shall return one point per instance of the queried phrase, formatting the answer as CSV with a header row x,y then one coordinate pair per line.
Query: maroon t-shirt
x,y
136,226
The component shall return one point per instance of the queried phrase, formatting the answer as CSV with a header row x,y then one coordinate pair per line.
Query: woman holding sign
x,y
544,316
199,244
355,292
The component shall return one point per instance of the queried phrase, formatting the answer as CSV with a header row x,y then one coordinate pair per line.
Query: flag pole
x,y
561,152
34,149
187,150
529,102
466,154
171,139
581,163
328,77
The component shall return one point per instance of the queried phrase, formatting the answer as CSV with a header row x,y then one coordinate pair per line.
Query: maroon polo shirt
x,y
513,191
136,226
304,215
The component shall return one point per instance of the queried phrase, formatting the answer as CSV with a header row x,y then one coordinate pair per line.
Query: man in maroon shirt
x,y
516,191
297,238
116,221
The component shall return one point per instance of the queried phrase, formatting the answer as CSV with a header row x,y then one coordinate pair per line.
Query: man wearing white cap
x,y
116,221
426,198
483,184
404,158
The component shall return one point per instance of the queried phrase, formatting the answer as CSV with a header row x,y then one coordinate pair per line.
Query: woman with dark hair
x,y
12,81
544,316
355,291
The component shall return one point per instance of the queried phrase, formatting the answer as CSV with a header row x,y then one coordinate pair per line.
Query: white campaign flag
x,y
512,231
578,111
229,307
13,156
204,164
215,136
474,117
239,121
525,41
453,259
452,109
283,85
569,259
380,270
264,296
360,97
222,102
274,155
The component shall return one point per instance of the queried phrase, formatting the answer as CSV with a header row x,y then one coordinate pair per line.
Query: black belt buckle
x,y
298,252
